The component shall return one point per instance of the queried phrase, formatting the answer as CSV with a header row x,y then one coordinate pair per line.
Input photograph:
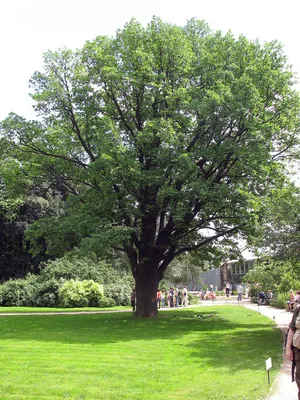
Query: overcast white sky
x,y
30,27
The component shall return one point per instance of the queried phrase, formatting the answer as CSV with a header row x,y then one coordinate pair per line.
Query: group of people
x,y
167,298
209,294
174,297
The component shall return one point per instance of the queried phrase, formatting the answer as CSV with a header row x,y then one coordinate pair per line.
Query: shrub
x,y
105,302
46,294
289,280
192,299
80,293
93,292
19,292
253,290
75,268
119,292
280,300
82,269
72,294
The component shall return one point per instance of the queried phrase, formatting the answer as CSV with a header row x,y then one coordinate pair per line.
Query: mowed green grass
x,y
117,356
38,310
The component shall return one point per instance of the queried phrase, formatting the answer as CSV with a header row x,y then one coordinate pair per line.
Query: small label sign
x,y
268,364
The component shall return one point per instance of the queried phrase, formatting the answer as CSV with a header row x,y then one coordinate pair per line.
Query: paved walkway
x,y
283,388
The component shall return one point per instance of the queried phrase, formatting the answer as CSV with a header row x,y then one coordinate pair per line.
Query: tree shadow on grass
x,y
234,336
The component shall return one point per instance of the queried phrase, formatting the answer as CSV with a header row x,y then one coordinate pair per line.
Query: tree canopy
x,y
165,139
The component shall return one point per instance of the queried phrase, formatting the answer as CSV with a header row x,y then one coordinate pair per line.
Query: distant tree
x,y
166,137
278,233
16,215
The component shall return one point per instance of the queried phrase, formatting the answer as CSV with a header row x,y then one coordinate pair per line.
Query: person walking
x,y
171,291
162,297
239,293
132,299
227,287
290,303
184,297
158,298
177,297
293,346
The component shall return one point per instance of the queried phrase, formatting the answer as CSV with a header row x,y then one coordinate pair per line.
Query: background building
x,y
231,271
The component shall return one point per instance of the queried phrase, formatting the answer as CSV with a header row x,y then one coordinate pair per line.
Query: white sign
x,y
268,364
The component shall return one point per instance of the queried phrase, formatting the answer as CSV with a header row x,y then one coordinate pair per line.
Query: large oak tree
x,y
166,137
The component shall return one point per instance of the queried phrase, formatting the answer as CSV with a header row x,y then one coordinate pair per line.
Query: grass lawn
x,y
117,356
24,310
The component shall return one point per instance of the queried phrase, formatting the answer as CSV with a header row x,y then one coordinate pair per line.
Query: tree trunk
x,y
146,283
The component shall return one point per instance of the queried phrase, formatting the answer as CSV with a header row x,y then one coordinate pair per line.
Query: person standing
x,y
293,346
132,299
291,301
177,297
171,291
227,287
162,297
239,293
184,297
158,298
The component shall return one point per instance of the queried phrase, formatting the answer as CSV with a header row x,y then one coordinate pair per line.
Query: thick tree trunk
x,y
146,283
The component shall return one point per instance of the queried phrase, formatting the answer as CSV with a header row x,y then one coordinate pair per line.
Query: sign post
x,y
268,367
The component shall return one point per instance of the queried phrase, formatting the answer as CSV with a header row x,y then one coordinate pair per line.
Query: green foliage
x,y
46,294
119,292
266,275
192,299
16,252
80,293
73,267
289,280
18,292
106,302
90,282
186,269
159,135
117,284
278,231
254,289
76,268
279,276
93,291
280,300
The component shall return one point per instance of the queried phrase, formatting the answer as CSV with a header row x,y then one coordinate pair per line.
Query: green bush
x,y
253,290
45,289
75,268
119,292
105,302
82,269
220,293
289,280
192,299
46,294
280,301
75,293
93,292
19,292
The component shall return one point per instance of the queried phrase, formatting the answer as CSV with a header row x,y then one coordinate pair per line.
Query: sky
x,y
29,28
